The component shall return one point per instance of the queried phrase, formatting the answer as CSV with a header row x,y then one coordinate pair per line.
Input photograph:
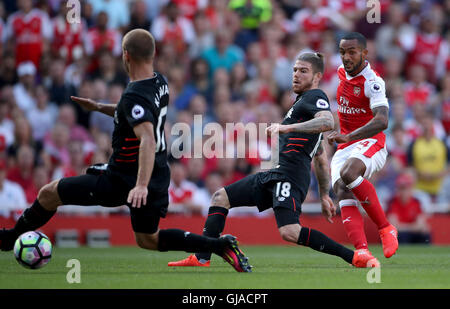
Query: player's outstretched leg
x,y
365,192
33,217
214,225
225,246
320,242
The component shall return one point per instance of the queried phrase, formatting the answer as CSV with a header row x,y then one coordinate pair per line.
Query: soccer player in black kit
x,y
137,173
284,188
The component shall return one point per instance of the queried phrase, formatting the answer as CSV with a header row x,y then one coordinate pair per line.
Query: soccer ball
x,y
33,250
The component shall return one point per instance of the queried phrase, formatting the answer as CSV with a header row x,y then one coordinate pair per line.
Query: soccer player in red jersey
x,y
363,115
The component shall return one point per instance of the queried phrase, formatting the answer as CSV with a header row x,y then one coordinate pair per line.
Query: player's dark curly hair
x,y
362,41
316,60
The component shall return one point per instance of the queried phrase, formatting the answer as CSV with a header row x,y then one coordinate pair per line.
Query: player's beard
x,y
305,86
356,67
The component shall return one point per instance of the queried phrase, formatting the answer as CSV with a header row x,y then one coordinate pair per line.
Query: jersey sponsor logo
x,y
357,91
137,112
321,103
345,109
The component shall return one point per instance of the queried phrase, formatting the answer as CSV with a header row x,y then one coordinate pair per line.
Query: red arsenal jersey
x,y
28,31
356,97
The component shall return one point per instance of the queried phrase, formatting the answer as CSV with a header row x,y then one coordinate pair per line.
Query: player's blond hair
x,y
139,44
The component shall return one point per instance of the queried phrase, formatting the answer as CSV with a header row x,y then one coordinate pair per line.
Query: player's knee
x,y
348,174
290,233
220,198
48,195
147,241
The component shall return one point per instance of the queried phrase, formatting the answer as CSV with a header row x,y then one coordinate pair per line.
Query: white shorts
x,y
365,150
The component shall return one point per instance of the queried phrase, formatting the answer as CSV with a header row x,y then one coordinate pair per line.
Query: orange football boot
x,y
364,259
189,261
389,240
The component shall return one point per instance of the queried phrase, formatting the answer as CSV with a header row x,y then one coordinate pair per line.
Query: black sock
x,y
214,225
320,242
32,218
179,240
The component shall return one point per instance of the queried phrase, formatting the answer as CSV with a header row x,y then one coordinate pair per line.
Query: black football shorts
x,y
110,189
268,190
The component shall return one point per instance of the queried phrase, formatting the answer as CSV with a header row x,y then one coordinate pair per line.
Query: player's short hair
x,y
362,41
140,44
316,60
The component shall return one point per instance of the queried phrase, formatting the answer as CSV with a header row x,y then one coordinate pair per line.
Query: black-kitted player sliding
x,y
284,188
137,173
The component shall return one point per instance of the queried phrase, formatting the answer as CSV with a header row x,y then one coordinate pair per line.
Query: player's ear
x,y
318,76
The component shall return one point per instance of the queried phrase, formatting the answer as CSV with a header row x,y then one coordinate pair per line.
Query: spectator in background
x,y
252,14
181,192
67,39
394,35
99,39
43,116
23,136
118,12
58,89
6,125
101,123
202,197
173,29
139,18
406,214
204,37
108,70
442,101
8,71
29,30
56,145
67,116
22,173
417,89
12,196
429,157
76,164
428,48
314,19
24,89
224,54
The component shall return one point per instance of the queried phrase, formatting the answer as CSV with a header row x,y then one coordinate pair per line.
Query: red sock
x,y
365,192
353,223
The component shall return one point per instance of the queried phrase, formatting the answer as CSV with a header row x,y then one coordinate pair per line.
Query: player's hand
x,y
87,104
338,138
138,196
328,208
277,129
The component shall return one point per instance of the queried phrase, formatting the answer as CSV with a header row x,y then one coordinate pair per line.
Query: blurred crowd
x,y
229,61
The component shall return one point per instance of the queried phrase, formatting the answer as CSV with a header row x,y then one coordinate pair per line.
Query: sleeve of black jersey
x,y
317,102
137,109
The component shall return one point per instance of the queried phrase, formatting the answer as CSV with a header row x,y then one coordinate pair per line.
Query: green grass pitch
x,y
275,267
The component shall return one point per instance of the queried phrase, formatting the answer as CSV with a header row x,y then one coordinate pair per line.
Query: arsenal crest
x,y
356,91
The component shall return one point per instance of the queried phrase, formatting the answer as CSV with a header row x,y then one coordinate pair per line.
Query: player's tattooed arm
x,y
322,122
377,124
321,170
94,106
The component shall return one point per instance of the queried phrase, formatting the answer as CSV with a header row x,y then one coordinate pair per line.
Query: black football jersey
x,y
296,150
141,101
